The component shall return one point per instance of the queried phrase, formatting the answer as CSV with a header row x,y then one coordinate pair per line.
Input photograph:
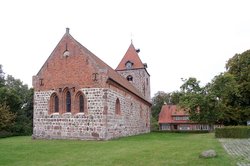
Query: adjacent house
x,y
173,118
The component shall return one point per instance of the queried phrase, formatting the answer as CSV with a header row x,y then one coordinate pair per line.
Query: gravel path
x,y
239,149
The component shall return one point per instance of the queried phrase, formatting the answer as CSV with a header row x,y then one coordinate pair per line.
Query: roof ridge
x,y
113,73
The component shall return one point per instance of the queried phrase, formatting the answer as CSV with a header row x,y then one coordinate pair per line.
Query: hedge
x,y
233,132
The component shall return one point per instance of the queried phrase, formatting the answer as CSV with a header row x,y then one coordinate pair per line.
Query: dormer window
x,y
128,65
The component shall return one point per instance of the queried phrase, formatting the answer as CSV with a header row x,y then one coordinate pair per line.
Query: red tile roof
x,y
112,74
132,56
168,112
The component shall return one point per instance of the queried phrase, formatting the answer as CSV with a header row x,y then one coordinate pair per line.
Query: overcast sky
x,y
178,38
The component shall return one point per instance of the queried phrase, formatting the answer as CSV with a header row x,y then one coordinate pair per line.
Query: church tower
x,y
132,68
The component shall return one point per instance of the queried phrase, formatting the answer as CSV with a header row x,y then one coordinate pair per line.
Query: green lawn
x,y
149,149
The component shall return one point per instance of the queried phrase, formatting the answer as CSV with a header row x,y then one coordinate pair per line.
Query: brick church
x,y
78,96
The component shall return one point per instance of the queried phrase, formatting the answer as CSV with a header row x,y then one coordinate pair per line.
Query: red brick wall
x,y
77,70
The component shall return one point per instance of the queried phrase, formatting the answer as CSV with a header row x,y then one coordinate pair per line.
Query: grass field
x,y
168,149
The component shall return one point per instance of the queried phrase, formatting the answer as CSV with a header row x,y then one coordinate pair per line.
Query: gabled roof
x,y
111,73
130,56
114,76
169,111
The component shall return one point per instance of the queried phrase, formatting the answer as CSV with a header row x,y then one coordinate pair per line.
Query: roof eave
x,y
112,80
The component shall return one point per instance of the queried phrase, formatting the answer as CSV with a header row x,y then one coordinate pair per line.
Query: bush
x,y
4,134
154,126
233,132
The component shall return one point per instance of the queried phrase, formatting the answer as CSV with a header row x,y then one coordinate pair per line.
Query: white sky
x,y
177,38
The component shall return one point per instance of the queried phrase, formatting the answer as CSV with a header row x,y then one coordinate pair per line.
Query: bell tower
x,y
132,68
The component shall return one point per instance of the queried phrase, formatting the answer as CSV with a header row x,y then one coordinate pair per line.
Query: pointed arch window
x,y
81,103
54,103
56,106
129,78
68,101
117,107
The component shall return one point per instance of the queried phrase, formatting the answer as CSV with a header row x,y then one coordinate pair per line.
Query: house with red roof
x,y
78,96
173,118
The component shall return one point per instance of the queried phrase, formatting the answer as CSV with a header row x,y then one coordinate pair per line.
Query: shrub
x,y
4,134
233,132
154,126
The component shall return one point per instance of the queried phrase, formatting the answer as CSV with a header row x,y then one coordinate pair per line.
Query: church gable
x,y
69,64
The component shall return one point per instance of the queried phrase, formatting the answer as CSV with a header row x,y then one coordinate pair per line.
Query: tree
x,y
17,86
1,76
225,100
6,117
24,119
24,110
17,99
159,99
190,85
175,97
239,67
226,90
10,98
203,107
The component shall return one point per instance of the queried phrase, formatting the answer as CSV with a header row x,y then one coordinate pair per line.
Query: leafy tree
x,y
158,100
17,86
203,107
225,100
175,97
10,98
226,89
1,76
6,117
24,120
190,85
154,126
18,98
23,125
239,67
